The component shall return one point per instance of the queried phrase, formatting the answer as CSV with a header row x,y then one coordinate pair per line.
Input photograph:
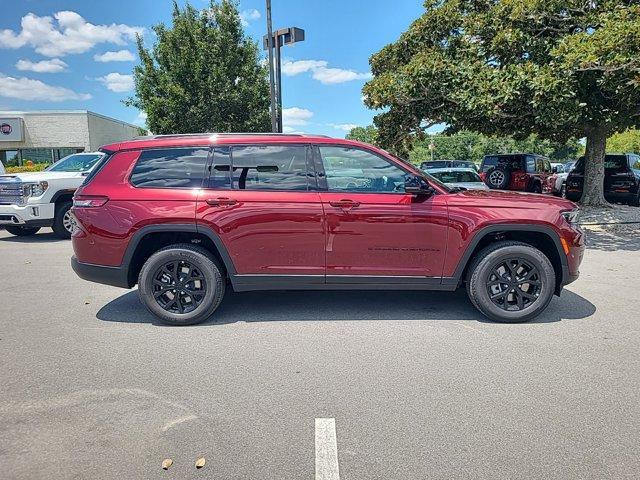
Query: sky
x,y
79,54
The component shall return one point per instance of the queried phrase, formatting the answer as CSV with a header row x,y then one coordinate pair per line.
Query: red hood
x,y
502,199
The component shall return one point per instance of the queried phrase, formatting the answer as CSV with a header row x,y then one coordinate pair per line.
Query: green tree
x,y
625,142
557,68
368,134
202,74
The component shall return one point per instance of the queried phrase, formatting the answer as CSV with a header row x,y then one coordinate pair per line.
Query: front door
x,y
374,228
261,202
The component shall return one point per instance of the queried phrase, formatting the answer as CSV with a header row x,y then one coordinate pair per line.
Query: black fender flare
x,y
61,193
509,227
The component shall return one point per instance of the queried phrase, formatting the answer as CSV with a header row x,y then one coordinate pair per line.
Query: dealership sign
x,y
11,130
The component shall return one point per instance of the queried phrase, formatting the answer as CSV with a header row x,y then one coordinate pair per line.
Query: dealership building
x,y
47,136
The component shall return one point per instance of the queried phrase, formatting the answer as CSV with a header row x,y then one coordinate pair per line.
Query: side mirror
x,y
85,174
417,186
554,170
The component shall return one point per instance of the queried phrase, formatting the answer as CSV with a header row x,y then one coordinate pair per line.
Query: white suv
x,y
30,201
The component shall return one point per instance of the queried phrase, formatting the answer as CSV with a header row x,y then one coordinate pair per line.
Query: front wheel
x,y
22,231
181,284
511,282
63,222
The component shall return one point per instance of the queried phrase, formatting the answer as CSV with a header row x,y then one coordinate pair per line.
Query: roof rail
x,y
228,134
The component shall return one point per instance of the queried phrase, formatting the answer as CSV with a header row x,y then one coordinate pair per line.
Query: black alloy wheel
x,y
514,284
179,287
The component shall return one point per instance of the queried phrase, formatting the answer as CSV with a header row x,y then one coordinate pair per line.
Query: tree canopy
x,y
202,74
557,68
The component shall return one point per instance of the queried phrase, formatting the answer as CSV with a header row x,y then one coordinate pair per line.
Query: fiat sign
x,y
11,130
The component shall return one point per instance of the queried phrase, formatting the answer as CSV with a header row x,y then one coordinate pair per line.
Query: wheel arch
x,y
542,237
149,239
63,196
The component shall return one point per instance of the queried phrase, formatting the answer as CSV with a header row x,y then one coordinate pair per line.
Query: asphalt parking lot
x,y
419,384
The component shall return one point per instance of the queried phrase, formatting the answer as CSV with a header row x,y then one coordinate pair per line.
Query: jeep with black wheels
x,y
30,201
522,172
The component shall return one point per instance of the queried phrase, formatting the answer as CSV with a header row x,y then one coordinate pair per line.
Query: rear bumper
x,y
115,276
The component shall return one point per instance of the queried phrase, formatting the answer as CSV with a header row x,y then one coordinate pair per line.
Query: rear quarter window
x,y
170,168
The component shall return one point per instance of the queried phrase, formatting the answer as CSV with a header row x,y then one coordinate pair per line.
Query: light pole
x,y
284,36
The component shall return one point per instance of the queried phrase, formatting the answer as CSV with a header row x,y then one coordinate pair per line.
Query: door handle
x,y
344,204
221,201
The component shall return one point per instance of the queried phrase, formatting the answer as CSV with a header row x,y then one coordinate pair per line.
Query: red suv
x,y
188,216
524,172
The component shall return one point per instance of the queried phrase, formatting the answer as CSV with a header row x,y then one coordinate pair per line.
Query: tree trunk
x,y
593,187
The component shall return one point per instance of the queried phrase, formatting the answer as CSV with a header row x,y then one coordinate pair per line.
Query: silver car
x,y
459,177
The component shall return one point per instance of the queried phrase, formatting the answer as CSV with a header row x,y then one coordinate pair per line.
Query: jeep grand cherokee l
x,y
186,217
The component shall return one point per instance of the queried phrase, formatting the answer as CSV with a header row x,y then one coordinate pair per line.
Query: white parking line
x,y
326,450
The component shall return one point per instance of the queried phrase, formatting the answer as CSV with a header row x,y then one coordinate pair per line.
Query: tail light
x,y
86,201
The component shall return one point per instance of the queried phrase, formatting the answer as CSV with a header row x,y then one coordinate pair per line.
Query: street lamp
x,y
277,39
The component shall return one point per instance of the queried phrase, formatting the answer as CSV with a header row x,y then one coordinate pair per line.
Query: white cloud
x,y
71,34
54,65
320,71
119,56
28,89
295,117
345,127
330,76
141,119
249,15
117,82
291,68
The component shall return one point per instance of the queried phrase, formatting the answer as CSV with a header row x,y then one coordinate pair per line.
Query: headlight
x,y
35,189
571,216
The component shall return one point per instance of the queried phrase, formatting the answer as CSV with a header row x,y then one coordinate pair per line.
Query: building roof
x,y
21,113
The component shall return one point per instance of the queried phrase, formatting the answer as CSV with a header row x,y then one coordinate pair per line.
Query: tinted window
x,y
547,166
612,163
512,162
435,164
635,162
457,177
270,167
75,163
355,170
531,164
170,168
220,176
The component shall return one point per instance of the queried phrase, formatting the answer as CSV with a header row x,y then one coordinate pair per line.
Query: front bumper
x,y
29,215
115,276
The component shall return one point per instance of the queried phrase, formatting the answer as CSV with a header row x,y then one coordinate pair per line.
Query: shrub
x,y
37,167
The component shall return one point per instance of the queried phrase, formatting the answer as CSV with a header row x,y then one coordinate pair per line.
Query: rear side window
x,y
170,168
509,162
270,167
612,164
96,169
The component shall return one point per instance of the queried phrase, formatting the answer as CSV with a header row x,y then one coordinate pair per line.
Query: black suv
x,y
431,164
621,179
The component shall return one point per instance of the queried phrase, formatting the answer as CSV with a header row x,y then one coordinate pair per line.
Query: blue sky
x,y
82,58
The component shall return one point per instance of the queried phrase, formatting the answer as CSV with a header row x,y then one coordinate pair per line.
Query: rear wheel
x,y
536,188
22,231
181,284
511,282
63,222
497,178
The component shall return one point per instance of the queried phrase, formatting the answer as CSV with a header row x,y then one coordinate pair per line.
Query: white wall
x,y
103,130
49,130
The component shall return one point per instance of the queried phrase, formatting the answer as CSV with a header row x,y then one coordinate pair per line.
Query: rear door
x,y
261,201
375,229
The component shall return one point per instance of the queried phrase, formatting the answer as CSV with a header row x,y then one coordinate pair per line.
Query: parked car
x,y
448,164
523,172
187,216
2,170
561,173
32,200
621,178
466,178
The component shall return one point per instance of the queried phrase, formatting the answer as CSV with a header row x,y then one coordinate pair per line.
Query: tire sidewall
x,y
58,225
210,272
505,182
484,267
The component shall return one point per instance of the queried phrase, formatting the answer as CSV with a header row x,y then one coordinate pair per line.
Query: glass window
x,y
170,168
75,163
355,170
435,164
539,165
457,176
270,167
220,176
547,165
512,162
531,164
635,162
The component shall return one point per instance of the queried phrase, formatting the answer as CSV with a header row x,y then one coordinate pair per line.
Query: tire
x,y
536,188
497,178
563,190
494,258
22,231
60,221
154,274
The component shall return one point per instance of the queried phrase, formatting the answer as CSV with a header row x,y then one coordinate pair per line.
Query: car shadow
x,y
277,306
622,237
40,237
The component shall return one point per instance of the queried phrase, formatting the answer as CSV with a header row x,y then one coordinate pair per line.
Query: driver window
x,y
531,164
355,170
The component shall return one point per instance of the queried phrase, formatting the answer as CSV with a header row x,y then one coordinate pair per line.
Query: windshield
x,y
456,177
428,177
75,163
435,164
